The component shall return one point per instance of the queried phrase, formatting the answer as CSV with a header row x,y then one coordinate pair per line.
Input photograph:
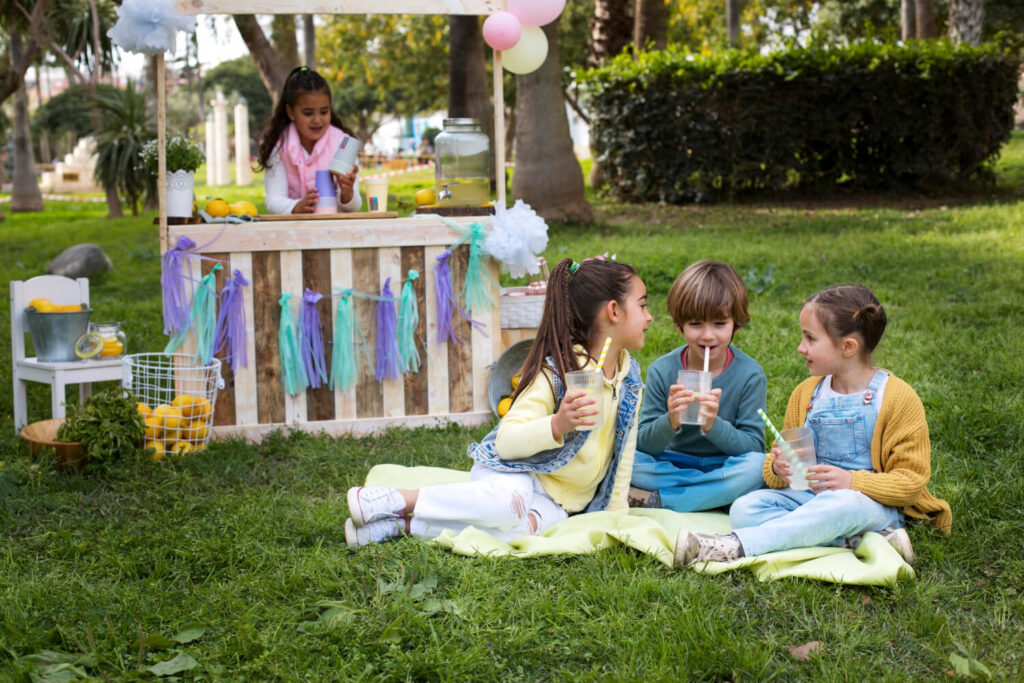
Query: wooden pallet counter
x,y
358,252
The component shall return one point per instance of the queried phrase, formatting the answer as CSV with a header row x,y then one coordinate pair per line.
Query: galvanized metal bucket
x,y
54,334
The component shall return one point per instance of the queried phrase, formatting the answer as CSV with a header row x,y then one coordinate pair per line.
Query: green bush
x,y
677,127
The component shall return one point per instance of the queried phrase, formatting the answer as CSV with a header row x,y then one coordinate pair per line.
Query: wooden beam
x,y
161,158
499,129
339,6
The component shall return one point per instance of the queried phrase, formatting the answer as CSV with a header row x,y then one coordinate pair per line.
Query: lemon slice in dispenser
x,y
88,345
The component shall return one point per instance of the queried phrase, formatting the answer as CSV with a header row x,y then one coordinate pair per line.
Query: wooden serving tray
x,y
326,216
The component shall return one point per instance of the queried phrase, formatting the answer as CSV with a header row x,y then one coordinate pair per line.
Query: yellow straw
x,y
604,352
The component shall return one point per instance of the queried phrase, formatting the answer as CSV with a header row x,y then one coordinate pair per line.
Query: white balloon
x,y
529,53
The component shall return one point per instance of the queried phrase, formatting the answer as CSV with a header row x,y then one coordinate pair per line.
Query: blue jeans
x,y
687,483
780,519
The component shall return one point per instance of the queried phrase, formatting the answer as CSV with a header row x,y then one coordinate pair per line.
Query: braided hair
x,y
300,81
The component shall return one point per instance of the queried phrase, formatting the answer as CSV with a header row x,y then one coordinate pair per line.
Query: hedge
x,y
677,127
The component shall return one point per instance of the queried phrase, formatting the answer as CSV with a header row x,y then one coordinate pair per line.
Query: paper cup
x,y
324,184
699,383
377,194
345,158
590,382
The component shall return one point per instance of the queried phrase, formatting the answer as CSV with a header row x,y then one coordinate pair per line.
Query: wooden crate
x,y
324,256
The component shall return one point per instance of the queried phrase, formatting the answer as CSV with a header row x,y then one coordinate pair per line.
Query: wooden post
x,y
161,164
499,129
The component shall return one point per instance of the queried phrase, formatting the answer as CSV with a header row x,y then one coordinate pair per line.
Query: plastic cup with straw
x,y
787,450
589,381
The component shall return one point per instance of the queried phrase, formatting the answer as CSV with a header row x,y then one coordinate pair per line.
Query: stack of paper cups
x,y
326,202
345,157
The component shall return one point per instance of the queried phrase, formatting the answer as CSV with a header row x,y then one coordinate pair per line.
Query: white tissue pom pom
x,y
517,237
149,26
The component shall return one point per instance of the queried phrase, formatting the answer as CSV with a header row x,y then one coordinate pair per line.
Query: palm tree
x,y
548,176
650,26
966,20
25,195
126,130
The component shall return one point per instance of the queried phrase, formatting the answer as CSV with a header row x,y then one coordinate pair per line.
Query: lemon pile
x,y
506,401
42,305
178,428
218,208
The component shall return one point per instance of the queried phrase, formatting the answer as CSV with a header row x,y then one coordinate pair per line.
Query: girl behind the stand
x,y
534,469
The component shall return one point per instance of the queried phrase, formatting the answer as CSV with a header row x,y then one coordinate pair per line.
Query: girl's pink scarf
x,y
300,169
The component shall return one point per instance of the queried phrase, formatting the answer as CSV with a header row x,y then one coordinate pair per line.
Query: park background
x,y
235,559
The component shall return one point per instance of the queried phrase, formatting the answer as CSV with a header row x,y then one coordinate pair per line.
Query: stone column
x,y
211,152
243,169
220,140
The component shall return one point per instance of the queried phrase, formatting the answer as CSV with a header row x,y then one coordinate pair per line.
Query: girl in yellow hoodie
x,y
871,443
556,452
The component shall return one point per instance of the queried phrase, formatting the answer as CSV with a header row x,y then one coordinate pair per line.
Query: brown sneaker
x,y
692,547
900,540
642,498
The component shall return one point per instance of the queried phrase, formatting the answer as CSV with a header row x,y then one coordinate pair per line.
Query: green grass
x,y
247,539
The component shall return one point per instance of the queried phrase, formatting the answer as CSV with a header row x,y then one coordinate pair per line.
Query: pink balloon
x,y
502,30
536,12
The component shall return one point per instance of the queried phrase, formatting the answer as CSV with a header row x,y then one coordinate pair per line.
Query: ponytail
x,y
576,292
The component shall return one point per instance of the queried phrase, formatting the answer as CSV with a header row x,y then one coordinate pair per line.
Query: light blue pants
x,y
687,483
780,519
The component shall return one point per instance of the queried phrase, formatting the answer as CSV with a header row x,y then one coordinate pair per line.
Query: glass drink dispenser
x,y
462,172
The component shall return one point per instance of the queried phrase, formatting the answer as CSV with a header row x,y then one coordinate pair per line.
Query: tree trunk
x,y
908,20
272,71
650,26
12,70
732,21
925,18
25,195
309,40
611,30
468,93
966,20
548,176
286,43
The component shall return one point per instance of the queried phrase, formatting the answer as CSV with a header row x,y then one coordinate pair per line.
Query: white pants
x,y
500,503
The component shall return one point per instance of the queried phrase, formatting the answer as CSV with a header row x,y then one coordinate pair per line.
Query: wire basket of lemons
x,y
176,399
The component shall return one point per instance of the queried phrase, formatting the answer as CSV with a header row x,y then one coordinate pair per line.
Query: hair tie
x,y
573,268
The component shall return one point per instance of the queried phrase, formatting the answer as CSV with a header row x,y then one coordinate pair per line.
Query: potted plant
x,y
183,158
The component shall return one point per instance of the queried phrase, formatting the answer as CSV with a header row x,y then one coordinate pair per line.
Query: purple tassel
x,y
389,358
311,339
176,304
231,332
447,306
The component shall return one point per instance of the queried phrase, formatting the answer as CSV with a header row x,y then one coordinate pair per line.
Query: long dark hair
x,y
573,301
844,310
300,81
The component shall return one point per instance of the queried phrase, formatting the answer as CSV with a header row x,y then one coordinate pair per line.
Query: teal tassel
x,y
293,372
476,291
344,359
408,321
202,317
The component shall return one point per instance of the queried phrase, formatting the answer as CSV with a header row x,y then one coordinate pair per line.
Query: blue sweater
x,y
737,428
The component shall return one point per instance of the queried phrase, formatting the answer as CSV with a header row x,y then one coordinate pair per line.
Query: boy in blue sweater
x,y
688,468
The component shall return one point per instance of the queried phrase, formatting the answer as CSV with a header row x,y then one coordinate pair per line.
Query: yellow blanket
x,y
653,532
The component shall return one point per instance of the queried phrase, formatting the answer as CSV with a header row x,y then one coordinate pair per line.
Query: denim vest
x,y
546,462
844,425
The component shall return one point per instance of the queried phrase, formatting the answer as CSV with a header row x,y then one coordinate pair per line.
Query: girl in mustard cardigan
x,y
550,456
871,443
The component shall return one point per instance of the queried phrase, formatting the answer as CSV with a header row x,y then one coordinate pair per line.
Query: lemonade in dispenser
x,y
463,168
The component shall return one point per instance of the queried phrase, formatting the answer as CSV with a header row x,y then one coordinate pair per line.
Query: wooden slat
x,y
224,407
460,356
483,350
245,379
436,354
419,230
480,7
316,275
341,276
416,383
366,279
291,217
371,425
392,390
291,283
266,287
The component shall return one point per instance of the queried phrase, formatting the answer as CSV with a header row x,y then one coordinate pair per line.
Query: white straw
x,y
707,357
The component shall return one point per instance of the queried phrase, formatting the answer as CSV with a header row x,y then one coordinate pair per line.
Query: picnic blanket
x,y
653,532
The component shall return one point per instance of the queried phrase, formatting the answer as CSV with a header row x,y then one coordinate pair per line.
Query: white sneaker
x,y
374,532
692,546
900,540
368,504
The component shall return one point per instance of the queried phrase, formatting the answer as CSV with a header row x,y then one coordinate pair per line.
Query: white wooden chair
x,y
59,290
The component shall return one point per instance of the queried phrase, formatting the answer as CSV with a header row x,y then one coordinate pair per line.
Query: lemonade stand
x,y
359,252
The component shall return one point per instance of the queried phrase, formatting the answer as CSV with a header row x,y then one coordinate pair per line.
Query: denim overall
x,y
780,519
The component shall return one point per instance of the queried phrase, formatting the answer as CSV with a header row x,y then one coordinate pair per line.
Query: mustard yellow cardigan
x,y
900,453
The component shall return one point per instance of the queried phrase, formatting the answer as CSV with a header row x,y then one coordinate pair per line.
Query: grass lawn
x,y
246,541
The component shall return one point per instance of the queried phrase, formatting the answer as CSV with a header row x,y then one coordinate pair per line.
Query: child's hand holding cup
x,y
697,383
588,382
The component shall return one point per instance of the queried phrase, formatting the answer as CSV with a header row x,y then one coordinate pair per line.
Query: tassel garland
x,y
388,356
232,336
408,321
293,373
312,340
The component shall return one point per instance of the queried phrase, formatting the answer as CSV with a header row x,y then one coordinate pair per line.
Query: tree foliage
x,y
68,111
240,76
126,130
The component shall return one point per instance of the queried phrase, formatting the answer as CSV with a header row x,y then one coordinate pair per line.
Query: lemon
x,y
425,197
243,208
67,308
217,208
158,450
515,381
112,347
42,305
154,430
88,345
503,406
169,416
180,448
201,409
197,430
144,410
